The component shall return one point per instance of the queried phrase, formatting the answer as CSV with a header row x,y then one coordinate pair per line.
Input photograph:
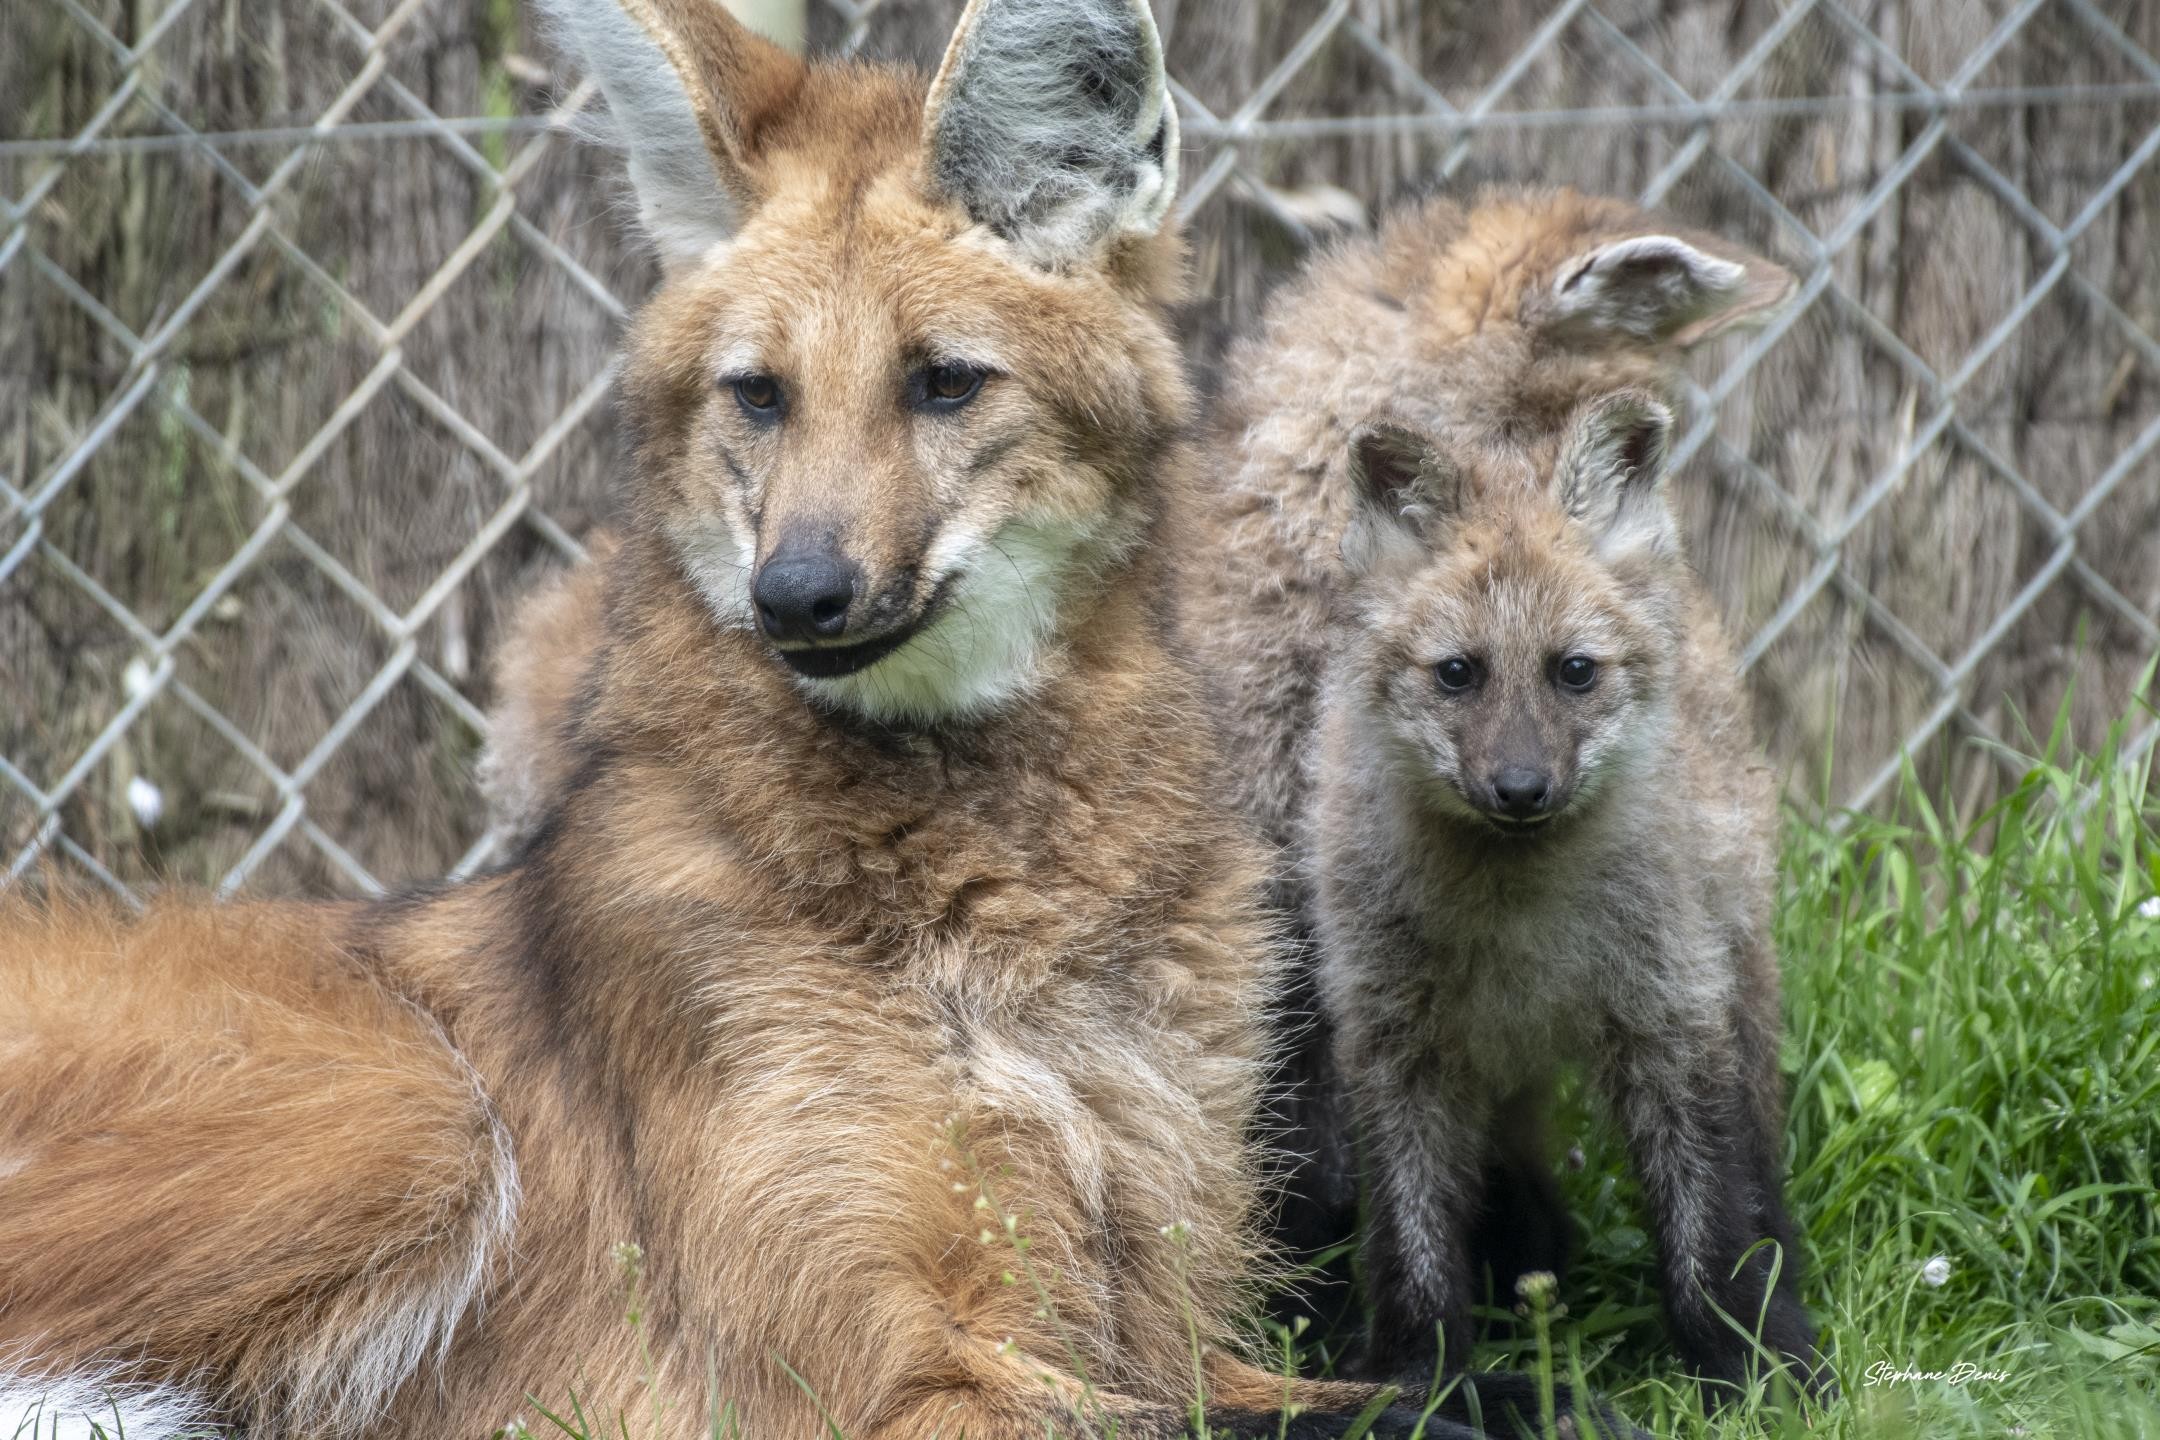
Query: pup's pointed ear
x,y
688,87
1407,494
1050,122
1662,289
1612,474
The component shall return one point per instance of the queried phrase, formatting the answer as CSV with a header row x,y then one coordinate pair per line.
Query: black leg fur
x,y
1406,1342
1405,1348
1489,1226
1522,1227
1711,1182
1420,1312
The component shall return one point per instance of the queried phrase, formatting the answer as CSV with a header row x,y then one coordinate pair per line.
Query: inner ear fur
x,y
1614,468
1653,284
689,91
1050,122
736,79
1407,491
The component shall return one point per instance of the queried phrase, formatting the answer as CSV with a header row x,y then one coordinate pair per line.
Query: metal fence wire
x,y
309,307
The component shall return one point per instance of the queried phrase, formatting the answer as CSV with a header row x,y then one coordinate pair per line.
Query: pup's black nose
x,y
1520,792
804,597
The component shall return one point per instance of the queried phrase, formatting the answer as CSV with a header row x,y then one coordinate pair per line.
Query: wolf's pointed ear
x,y
688,87
1050,121
1612,474
1407,494
1662,289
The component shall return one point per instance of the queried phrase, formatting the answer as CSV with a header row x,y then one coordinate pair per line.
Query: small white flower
x,y
1936,1273
135,678
2151,908
147,801
1915,1035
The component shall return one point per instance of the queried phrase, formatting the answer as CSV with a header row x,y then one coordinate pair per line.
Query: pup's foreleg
x,y
1424,1145
1725,1243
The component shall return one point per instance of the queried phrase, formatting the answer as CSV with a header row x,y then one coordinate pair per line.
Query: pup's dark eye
x,y
1578,672
759,396
1456,673
948,387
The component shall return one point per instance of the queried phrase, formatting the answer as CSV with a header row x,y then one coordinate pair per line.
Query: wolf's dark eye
x,y
759,396
1456,673
947,387
1578,672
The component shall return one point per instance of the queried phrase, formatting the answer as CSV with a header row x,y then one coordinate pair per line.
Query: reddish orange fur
x,y
179,1089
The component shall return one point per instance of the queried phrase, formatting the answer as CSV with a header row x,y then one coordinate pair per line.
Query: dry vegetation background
x,y
396,494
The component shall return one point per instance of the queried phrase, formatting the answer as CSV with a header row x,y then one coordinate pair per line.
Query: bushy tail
x,y
99,1405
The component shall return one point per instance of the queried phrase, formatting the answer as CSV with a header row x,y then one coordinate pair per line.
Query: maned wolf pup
x,y
1542,828
1537,825
887,898
1493,318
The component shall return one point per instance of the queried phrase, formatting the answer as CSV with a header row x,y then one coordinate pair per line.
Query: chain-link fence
x,y
308,310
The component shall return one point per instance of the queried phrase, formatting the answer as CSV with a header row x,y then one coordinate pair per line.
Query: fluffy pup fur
x,y
1541,828
1504,511
815,970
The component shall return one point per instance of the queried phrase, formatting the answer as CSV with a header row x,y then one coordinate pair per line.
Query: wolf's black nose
x,y
1521,792
804,597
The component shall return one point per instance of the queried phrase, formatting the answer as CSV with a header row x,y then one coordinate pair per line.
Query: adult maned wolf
x,y
888,901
